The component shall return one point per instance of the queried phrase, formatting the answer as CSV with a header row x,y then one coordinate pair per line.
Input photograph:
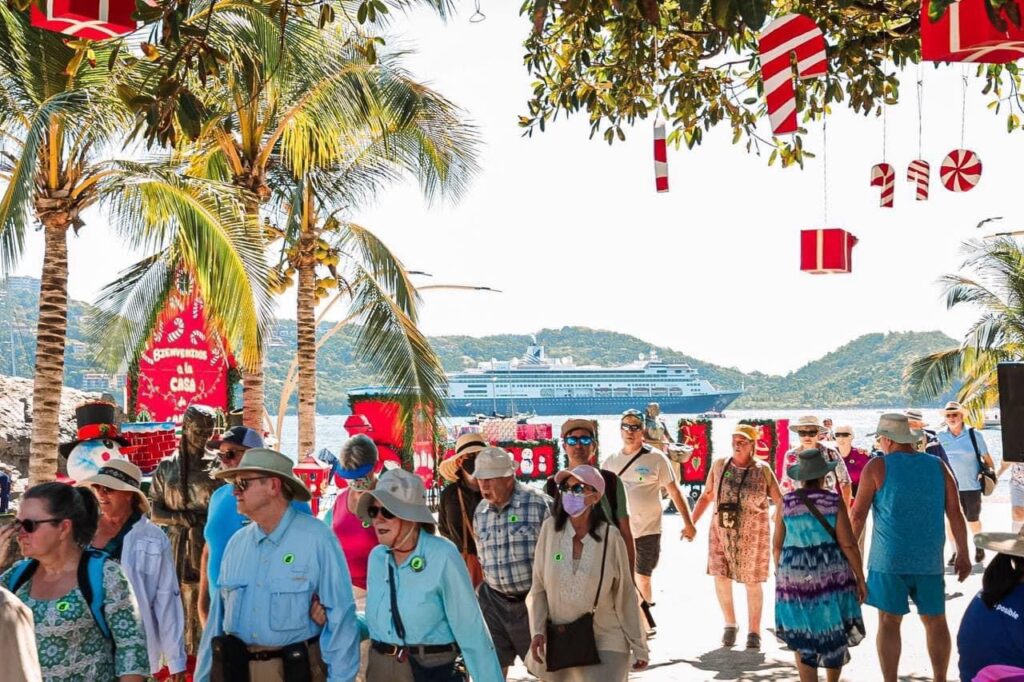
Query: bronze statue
x,y
180,494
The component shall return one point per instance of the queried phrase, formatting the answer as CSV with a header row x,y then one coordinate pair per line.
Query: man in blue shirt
x,y
966,449
222,517
270,572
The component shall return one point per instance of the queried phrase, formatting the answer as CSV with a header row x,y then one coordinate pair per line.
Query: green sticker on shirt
x,y
289,558
513,518
558,556
417,563
63,606
366,524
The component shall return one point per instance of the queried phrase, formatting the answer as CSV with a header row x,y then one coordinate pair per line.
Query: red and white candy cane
x,y
179,329
660,158
919,172
790,34
960,170
883,175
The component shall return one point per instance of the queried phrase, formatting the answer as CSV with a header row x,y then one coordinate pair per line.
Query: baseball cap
x,y
237,435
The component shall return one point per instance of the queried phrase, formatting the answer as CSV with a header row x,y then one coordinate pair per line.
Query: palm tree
x,y
302,111
58,123
993,281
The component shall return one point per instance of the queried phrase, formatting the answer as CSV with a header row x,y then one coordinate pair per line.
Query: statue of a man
x,y
180,494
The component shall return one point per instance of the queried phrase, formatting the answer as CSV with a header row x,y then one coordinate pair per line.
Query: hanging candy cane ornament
x,y
660,158
960,170
790,34
883,175
920,172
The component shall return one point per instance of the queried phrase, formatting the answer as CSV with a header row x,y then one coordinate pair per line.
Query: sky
x,y
573,233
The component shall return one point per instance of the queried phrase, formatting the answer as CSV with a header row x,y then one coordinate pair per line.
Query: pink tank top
x,y
356,539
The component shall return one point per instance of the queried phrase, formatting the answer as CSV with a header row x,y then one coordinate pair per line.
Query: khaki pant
x,y
273,670
385,668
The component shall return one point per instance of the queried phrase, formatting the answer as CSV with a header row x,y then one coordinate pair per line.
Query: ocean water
x,y
331,433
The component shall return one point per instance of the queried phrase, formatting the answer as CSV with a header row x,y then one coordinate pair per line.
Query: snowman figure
x,y
97,441
542,464
526,462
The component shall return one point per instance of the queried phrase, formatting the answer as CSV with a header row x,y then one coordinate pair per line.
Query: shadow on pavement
x,y
730,664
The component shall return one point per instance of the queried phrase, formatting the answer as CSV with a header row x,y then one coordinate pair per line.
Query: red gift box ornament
x,y
791,34
965,34
826,251
86,19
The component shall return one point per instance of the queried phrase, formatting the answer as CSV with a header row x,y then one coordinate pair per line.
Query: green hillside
x,y
865,372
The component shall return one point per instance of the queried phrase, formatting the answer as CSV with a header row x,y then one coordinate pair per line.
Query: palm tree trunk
x,y
49,373
305,326
253,389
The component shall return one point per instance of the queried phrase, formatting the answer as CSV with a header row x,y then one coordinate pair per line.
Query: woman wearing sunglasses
x,y
55,524
581,567
421,611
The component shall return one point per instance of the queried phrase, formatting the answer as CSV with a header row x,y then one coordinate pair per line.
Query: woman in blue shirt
x,y
420,606
992,630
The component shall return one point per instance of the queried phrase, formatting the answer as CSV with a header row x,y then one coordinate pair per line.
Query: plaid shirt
x,y
507,538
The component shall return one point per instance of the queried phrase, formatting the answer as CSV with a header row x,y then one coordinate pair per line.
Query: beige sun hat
x,y
953,407
467,444
896,427
494,463
267,461
748,431
806,421
400,492
1003,543
120,474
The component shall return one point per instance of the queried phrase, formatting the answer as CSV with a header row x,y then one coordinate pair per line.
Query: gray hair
x,y
357,452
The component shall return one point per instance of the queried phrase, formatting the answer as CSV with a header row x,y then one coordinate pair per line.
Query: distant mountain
x,y
866,372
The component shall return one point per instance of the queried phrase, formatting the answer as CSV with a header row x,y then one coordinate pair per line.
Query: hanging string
x,y
963,105
478,16
885,109
824,167
920,108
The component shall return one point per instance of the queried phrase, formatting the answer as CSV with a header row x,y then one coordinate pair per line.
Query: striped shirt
x,y
507,537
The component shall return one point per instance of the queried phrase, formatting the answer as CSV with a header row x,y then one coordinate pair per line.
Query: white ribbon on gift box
x,y
74,27
977,53
820,262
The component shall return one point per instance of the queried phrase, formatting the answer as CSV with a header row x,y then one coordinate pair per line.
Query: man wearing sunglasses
x,y
579,437
645,472
272,568
223,519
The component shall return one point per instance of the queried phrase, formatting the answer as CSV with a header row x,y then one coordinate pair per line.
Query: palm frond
x,y
375,257
932,375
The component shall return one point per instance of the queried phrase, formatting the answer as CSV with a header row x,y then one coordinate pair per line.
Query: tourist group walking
x,y
558,578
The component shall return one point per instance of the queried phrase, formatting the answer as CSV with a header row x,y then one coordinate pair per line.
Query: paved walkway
x,y
688,647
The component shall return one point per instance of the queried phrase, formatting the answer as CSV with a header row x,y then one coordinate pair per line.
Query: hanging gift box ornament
x,y
826,251
660,158
86,19
966,34
791,34
960,170
919,172
882,175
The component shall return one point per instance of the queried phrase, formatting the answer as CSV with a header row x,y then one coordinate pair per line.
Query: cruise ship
x,y
543,386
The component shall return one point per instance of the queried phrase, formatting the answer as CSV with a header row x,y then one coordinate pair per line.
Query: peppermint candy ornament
x,y
960,171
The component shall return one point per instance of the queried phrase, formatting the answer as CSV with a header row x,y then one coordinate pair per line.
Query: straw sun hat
x,y
467,444
120,474
1003,543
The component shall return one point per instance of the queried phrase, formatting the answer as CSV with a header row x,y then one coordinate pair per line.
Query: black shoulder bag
x,y
573,645
447,672
986,475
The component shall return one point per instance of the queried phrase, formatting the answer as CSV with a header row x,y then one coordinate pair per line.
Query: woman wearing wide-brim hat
x,y
819,577
420,605
992,629
126,534
459,500
809,430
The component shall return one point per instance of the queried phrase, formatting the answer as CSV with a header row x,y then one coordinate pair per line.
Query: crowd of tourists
x,y
558,577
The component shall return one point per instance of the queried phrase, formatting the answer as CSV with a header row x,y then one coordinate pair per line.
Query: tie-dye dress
x,y
816,609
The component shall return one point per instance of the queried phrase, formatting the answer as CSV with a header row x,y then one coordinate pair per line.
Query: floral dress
x,y
741,553
71,646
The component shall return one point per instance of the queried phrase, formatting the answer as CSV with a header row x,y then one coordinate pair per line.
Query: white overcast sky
x,y
573,233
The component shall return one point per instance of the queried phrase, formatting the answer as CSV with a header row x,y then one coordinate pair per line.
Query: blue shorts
x,y
891,592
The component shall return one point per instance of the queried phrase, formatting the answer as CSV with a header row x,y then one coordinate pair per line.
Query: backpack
x,y
90,583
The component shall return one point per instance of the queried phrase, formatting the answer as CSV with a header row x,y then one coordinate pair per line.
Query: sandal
x,y
754,641
729,635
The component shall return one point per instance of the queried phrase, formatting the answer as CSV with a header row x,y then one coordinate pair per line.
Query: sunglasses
x,y
631,427
32,525
579,440
242,484
229,455
575,489
807,434
373,511
843,435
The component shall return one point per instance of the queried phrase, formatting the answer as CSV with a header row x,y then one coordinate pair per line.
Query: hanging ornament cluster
x,y
86,19
882,175
660,158
960,170
826,251
793,34
965,33
919,172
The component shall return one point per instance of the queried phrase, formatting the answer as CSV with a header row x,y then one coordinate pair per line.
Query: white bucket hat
x,y
400,492
805,422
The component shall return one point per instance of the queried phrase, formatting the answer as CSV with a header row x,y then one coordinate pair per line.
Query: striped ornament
x,y
882,175
960,170
919,172
790,34
660,158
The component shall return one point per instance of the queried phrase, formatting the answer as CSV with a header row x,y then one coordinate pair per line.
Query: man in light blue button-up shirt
x,y
273,567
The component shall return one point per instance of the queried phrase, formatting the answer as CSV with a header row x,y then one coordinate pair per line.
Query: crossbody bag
x,y
573,644
811,507
986,476
476,571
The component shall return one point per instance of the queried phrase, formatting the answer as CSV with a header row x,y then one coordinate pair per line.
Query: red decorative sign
x,y
182,366
965,34
698,436
388,433
86,19
782,447
537,460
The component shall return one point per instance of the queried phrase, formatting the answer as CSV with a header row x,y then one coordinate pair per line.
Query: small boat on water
x,y
711,414
992,421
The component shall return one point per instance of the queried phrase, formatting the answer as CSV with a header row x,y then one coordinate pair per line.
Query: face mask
x,y
469,465
574,504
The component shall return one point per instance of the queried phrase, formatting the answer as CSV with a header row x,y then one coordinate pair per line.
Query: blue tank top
x,y
908,514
